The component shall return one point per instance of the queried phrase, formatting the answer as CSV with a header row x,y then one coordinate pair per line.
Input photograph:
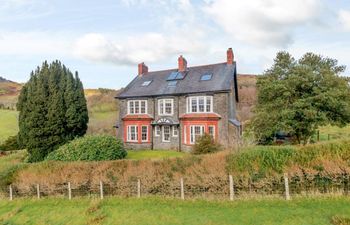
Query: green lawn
x,y
8,124
153,154
171,211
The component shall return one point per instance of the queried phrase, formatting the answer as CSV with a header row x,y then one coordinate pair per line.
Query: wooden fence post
x,y
286,186
10,189
182,188
101,189
38,191
318,135
69,191
232,192
138,188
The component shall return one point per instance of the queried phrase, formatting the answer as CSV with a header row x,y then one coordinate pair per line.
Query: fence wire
x,y
217,188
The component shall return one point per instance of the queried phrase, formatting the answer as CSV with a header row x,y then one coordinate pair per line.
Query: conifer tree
x,y
52,109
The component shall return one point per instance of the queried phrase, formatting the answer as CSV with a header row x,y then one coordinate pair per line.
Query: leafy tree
x,y
52,109
298,96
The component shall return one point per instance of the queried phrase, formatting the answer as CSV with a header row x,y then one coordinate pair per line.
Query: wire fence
x,y
221,188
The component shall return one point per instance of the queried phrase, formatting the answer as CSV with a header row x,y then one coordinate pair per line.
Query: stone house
x,y
170,109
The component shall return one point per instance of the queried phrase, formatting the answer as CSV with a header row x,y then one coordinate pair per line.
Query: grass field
x,y
171,211
8,124
153,154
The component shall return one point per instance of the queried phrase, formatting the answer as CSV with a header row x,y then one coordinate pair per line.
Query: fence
x,y
222,188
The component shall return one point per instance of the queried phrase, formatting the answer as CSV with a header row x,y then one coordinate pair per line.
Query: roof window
x,y
176,76
206,77
172,83
146,83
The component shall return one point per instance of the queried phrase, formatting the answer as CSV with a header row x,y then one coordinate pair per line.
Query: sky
x,y
105,40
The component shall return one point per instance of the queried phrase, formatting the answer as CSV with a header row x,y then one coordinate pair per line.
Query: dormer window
x,y
137,107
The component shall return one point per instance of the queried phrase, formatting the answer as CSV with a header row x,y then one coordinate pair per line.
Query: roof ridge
x,y
212,64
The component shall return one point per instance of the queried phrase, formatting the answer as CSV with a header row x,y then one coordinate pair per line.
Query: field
x,y
171,211
8,124
153,154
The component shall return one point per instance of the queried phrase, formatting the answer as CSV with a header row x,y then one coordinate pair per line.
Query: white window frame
x,y
212,126
157,131
196,98
163,134
162,104
129,133
146,133
139,102
193,134
175,128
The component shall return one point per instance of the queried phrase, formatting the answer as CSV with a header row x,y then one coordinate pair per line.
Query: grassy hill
x,y
8,124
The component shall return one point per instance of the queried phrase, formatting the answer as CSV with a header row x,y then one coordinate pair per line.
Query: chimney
x,y
142,68
230,57
182,64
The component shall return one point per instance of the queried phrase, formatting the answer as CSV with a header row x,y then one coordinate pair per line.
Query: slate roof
x,y
223,76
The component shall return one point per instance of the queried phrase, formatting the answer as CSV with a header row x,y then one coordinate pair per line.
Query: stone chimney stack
x,y
182,64
230,56
142,68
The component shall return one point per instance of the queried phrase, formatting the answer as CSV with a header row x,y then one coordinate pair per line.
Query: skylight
x,y
172,83
176,76
146,83
206,77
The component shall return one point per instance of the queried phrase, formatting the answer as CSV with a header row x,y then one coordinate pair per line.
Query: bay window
x,y
200,104
196,131
144,133
157,131
137,107
132,134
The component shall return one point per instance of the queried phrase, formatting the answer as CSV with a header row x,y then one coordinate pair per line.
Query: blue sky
x,y
105,40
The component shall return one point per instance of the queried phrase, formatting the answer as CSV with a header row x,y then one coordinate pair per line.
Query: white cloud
x,y
344,18
269,22
149,47
11,10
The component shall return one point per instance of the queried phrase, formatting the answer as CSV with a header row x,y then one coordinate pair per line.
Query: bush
x,y
205,144
90,148
10,144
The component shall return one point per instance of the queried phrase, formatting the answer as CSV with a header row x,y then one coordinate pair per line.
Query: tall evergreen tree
x,y
52,109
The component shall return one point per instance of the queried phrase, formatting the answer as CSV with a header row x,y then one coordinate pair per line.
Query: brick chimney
x,y
182,64
142,68
230,56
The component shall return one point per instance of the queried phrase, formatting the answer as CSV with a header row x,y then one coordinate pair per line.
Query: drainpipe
x,y
178,117
154,117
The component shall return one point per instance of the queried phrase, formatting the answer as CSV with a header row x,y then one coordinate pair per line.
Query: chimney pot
x,y
230,56
142,68
182,64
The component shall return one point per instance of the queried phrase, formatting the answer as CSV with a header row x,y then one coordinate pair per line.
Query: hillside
x,y
247,96
9,92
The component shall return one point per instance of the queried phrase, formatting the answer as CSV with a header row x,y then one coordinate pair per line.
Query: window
x,y
175,75
146,83
157,132
196,132
166,134
211,131
165,106
132,133
200,104
144,133
206,77
172,83
175,131
137,107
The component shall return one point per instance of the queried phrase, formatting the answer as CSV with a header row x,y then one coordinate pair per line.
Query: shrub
x,y
10,144
90,148
205,144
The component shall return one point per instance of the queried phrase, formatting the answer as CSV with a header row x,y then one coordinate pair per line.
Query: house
x,y
171,109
